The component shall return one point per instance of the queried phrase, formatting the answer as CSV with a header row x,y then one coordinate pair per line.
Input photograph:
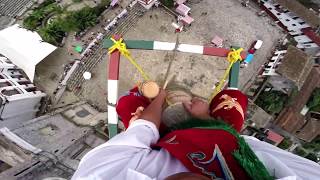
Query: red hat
x,y
129,103
230,106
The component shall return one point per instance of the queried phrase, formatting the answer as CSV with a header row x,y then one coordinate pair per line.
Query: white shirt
x,y
129,156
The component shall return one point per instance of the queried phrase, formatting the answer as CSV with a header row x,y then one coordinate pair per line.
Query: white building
x,y
293,24
20,51
270,68
19,98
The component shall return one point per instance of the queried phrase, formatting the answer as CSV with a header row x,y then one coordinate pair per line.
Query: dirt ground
x,y
237,25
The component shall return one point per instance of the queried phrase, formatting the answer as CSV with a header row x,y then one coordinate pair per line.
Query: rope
x,y
122,48
233,57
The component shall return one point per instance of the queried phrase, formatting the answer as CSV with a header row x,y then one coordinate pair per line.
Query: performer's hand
x,y
162,94
136,115
198,108
153,112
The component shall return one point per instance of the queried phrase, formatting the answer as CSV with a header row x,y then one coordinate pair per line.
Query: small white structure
x,y
258,44
122,13
87,75
111,24
218,41
114,22
114,3
177,26
19,98
183,10
270,69
293,24
147,3
304,42
187,20
24,48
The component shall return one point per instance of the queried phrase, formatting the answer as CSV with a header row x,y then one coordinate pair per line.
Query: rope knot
x,y
120,46
234,55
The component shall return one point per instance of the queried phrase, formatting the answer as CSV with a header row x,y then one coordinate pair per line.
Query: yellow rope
x,y
233,57
122,48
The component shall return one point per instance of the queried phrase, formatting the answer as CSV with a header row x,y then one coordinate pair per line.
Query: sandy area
x,y
226,18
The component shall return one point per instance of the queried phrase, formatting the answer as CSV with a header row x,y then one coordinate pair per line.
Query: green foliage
x,y
314,101
64,21
76,1
101,7
272,101
168,3
301,152
52,33
313,145
285,144
312,157
35,19
82,19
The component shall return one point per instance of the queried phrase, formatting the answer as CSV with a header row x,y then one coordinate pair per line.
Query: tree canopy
x,y
35,19
168,3
272,101
63,21
314,101
285,144
300,151
312,157
313,145
52,33
82,19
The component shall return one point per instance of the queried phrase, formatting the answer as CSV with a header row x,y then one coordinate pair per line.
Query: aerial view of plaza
x,y
159,89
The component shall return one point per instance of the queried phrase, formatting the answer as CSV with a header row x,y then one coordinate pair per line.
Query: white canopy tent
x,y
24,48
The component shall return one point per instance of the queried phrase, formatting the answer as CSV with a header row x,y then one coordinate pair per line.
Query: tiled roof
x,y
275,137
294,6
295,66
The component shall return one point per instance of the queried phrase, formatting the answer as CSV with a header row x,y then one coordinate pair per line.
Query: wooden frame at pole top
x,y
114,67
